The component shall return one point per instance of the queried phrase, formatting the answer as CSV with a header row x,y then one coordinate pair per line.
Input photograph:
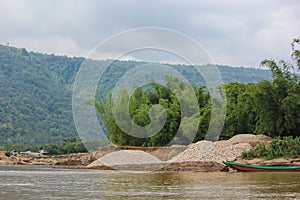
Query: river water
x,y
40,182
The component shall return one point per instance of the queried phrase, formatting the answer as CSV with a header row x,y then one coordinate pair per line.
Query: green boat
x,y
259,168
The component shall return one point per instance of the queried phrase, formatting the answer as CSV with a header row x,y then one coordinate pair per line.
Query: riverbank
x,y
204,156
77,159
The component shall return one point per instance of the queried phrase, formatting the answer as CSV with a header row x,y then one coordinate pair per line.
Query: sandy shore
x,y
201,156
78,159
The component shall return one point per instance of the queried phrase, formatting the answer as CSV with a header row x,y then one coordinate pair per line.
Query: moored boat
x,y
260,168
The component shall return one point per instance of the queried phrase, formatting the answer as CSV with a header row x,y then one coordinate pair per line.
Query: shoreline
x,y
203,156
193,166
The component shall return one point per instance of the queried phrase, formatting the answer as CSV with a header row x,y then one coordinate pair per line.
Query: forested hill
x,y
36,92
35,101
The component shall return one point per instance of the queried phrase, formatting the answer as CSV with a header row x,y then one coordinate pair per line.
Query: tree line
x,y
35,113
69,145
36,92
270,107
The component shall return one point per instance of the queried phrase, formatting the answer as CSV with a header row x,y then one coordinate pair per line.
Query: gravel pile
x,y
202,155
220,150
248,138
126,157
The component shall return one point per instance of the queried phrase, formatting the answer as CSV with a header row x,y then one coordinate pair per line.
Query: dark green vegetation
x,y
287,147
35,97
279,110
7,154
268,107
69,145
140,103
36,89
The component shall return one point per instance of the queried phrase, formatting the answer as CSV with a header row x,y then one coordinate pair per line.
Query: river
x,y
42,182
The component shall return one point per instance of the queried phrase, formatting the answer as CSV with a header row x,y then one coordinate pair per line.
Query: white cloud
x,y
233,32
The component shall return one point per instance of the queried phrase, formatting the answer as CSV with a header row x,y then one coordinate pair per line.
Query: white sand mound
x,y
126,157
201,151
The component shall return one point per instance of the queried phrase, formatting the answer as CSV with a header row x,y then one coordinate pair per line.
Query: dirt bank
x,y
200,156
78,159
276,161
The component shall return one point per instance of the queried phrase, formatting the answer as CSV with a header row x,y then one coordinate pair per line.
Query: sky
x,y
232,32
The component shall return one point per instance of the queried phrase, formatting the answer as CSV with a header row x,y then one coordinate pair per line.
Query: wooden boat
x,y
259,168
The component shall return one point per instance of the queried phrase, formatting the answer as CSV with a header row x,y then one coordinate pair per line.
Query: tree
x,y
277,102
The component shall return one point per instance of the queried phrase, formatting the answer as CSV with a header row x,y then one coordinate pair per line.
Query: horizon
x,y
133,60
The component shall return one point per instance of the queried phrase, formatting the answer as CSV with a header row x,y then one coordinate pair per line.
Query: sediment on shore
x,y
76,159
200,156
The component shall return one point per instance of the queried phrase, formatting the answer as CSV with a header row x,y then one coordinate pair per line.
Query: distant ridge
x,y
36,92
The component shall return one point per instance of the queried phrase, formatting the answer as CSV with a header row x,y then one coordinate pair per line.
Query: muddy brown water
x,y
44,182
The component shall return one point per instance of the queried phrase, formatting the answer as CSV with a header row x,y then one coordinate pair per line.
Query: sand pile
x,y
220,150
126,157
200,156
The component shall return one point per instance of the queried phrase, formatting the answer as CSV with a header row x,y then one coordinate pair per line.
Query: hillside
x,y
36,89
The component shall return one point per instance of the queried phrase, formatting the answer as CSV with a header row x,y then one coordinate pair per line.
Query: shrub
x,y
287,147
7,154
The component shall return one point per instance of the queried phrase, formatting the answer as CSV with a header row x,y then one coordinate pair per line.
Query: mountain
x,y
36,92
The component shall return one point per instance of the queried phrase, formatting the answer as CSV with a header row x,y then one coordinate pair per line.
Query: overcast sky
x,y
234,32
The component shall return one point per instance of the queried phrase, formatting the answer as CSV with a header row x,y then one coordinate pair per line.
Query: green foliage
x,y
7,154
35,107
139,105
268,107
240,118
69,145
36,89
296,51
35,101
277,102
287,147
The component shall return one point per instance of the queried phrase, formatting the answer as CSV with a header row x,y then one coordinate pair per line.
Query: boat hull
x,y
251,169
254,168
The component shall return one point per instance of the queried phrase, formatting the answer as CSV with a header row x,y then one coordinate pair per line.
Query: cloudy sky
x,y
233,32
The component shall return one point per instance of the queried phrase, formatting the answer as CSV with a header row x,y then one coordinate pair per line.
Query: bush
x,y
287,147
69,145
7,154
